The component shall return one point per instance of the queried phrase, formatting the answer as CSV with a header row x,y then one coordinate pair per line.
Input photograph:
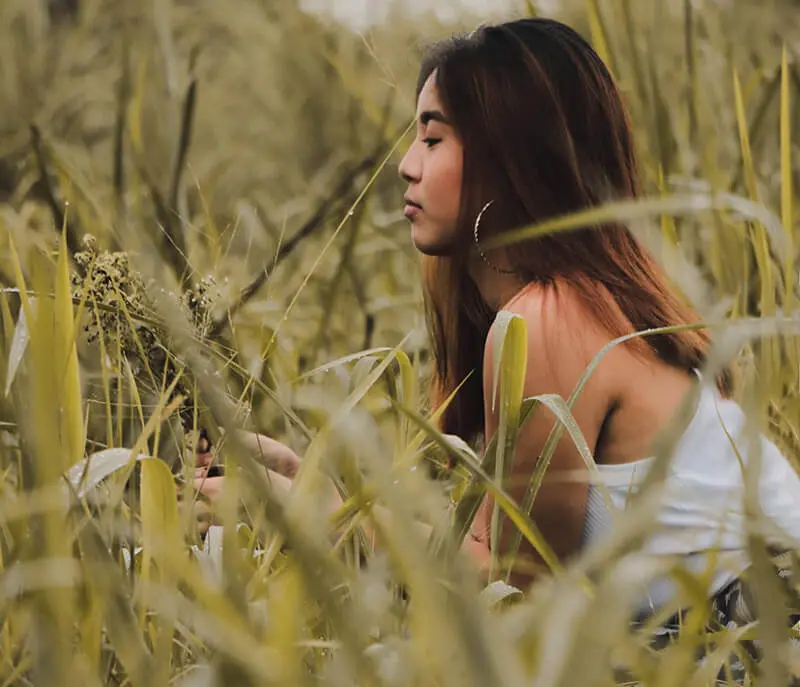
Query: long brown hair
x,y
545,133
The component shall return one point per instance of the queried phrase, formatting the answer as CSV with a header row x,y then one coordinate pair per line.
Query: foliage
x,y
219,173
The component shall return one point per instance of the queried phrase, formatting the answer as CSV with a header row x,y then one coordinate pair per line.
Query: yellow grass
x,y
257,144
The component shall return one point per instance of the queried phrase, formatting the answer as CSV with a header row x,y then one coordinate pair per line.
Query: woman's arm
x,y
285,464
270,453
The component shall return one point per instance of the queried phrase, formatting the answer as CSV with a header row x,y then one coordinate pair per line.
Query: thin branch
x,y
170,252
346,265
287,248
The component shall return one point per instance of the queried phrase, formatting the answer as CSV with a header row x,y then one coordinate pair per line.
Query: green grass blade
x,y
509,370
66,355
521,520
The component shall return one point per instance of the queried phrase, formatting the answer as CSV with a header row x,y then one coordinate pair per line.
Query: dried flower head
x,y
121,312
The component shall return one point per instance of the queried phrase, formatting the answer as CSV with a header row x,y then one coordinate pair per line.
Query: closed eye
x,y
430,142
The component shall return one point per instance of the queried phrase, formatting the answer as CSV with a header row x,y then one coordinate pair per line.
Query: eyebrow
x,y
432,116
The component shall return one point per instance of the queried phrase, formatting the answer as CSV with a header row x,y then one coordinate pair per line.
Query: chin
x,y
434,246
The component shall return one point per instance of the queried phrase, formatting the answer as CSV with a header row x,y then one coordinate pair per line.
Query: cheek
x,y
455,188
450,188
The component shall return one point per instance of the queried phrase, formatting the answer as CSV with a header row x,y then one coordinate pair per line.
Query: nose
x,y
409,168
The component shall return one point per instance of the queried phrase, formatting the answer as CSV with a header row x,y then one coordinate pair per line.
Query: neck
x,y
495,288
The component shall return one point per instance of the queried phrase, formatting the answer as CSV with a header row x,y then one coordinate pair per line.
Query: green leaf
x,y
509,369
66,356
160,523
469,460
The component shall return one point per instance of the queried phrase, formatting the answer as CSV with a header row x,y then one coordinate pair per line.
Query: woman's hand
x,y
270,453
282,464
209,487
206,491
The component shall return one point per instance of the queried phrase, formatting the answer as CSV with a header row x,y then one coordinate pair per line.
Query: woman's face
x,y
433,168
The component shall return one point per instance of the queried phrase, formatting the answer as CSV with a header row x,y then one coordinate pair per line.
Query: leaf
x,y
509,369
66,356
521,520
327,367
19,345
361,390
89,472
498,594
22,289
471,498
362,368
161,539
159,503
504,322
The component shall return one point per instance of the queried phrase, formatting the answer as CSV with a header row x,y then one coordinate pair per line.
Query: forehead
x,y
429,96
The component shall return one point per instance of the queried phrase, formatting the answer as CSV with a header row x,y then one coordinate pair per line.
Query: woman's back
x,y
644,394
631,397
638,392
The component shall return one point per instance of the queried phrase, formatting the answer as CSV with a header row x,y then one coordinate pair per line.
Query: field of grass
x,y
200,227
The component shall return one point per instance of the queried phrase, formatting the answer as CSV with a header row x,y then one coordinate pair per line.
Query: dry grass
x,y
250,142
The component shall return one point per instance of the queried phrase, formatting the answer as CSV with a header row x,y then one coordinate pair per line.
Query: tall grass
x,y
252,143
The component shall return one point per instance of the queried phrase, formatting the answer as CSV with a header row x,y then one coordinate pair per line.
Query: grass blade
x,y
644,208
787,190
521,520
509,369
66,355
19,345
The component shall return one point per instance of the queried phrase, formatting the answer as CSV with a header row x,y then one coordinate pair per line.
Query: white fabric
x,y
703,504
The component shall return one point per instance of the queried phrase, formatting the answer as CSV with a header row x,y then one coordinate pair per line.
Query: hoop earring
x,y
496,268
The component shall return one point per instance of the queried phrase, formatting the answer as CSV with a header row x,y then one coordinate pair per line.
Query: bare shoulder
x,y
563,339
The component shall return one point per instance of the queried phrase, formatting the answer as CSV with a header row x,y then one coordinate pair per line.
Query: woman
x,y
521,122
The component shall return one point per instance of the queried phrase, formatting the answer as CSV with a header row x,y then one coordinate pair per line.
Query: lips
x,y
411,208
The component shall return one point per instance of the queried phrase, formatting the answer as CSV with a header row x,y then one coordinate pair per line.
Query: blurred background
x,y
234,136
241,155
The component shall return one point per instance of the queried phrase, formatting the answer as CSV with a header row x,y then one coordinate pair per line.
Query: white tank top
x,y
702,507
